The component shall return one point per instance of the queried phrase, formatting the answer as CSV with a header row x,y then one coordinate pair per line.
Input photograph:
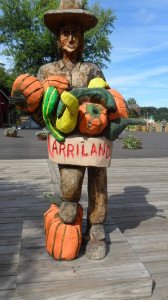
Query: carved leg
x,y
97,211
71,179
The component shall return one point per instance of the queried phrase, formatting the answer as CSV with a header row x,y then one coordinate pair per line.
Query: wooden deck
x,y
136,227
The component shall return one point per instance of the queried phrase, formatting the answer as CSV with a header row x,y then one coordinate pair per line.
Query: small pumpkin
x,y
92,118
121,111
59,82
63,241
31,88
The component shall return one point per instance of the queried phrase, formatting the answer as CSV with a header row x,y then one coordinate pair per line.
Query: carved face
x,y
71,38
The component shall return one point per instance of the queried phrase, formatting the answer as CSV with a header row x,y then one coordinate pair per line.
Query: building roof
x,y
5,97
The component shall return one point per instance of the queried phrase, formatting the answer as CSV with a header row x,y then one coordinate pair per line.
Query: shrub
x,y
131,142
42,134
11,132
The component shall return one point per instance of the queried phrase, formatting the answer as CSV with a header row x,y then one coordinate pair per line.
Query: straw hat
x,y
69,11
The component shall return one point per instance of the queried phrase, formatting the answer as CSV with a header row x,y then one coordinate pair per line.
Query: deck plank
x,y
136,230
120,274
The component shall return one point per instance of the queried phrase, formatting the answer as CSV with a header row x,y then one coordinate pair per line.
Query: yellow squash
x,y
67,122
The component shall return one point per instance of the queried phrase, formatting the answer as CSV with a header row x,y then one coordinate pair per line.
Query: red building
x,y
4,109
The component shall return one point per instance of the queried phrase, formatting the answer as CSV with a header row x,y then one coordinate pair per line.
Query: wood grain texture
x,y
136,233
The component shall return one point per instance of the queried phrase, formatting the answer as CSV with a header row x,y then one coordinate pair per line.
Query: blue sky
x,y
139,58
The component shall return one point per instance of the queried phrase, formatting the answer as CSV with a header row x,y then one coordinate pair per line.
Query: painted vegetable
x,y
50,100
115,127
95,95
29,90
63,241
121,111
98,83
59,82
67,121
92,118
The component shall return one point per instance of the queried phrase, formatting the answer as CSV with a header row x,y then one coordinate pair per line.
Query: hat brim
x,y
54,18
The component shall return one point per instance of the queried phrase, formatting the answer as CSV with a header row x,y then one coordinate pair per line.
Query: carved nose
x,y
70,37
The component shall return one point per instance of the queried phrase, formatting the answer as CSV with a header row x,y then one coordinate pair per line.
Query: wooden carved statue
x,y
84,115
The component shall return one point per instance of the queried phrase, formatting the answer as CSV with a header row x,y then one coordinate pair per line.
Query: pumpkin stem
x,y
93,110
55,199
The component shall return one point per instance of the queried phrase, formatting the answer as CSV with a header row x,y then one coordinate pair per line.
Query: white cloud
x,y
137,77
120,53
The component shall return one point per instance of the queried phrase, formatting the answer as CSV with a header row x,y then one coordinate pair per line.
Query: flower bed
x,y
131,142
42,134
11,132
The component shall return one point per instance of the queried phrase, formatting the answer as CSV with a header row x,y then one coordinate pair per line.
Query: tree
x,y
133,108
30,44
6,79
149,111
158,113
131,101
163,113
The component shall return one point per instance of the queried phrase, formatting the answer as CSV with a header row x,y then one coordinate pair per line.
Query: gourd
x,y
92,118
63,241
59,82
95,95
50,100
121,111
30,91
115,127
98,82
67,122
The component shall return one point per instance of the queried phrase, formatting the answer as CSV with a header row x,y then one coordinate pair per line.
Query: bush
x,y
11,132
42,134
131,142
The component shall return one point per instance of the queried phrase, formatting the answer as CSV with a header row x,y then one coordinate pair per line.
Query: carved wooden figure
x,y
84,116
69,23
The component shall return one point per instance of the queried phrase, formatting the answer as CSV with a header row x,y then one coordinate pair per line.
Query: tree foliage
x,y
30,44
158,113
97,44
6,79
131,101
133,108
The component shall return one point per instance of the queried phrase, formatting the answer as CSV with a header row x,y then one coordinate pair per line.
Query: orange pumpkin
x,y
121,111
60,82
92,118
31,88
63,241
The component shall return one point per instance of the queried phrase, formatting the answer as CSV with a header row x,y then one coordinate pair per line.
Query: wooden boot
x,y
96,246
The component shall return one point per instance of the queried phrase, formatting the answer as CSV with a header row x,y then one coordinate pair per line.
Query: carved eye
x,y
66,32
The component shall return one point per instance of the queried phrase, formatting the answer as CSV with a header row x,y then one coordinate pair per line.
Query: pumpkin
x,y
63,241
31,88
121,111
59,82
92,118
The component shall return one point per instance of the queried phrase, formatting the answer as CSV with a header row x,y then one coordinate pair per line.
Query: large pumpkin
x,y
31,88
59,82
63,241
121,111
92,118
